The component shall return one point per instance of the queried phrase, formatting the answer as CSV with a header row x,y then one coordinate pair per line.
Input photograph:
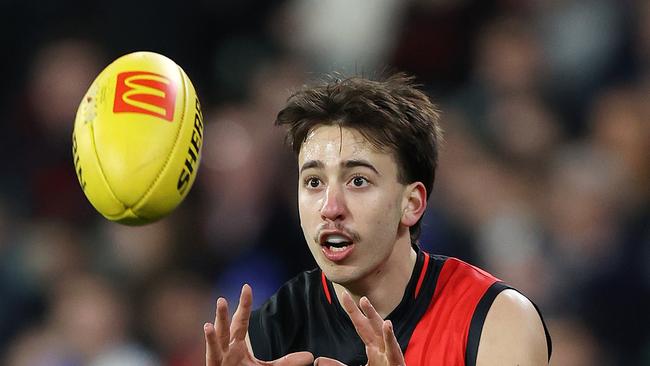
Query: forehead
x,y
334,145
333,142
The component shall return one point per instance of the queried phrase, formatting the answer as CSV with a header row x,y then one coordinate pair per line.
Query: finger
x,y
212,350
239,326
374,318
222,325
324,361
393,350
360,322
295,359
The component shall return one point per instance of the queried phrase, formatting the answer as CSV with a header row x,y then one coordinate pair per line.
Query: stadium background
x,y
544,179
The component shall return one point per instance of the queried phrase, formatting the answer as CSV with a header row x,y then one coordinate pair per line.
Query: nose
x,y
334,205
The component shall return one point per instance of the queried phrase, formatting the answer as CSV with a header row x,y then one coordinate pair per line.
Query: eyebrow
x,y
311,164
357,162
346,164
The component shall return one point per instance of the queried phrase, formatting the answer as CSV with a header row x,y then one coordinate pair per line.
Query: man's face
x,y
350,202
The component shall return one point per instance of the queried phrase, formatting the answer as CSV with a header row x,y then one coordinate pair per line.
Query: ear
x,y
414,203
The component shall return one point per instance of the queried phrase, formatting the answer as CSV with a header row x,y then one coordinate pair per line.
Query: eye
x,y
359,181
312,182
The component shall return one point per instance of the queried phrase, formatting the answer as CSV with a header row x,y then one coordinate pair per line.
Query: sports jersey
x,y
438,321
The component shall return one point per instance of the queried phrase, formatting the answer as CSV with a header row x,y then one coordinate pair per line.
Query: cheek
x,y
303,213
307,223
305,203
307,210
385,214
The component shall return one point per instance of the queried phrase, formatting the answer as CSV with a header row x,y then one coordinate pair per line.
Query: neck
x,y
385,285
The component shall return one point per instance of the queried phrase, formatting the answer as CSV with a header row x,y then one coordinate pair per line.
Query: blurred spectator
x,y
581,39
511,244
436,40
42,182
524,131
508,57
87,325
573,344
135,255
89,316
60,75
33,260
36,346
248,175
588,223
174,311
584,214
508,64
620,125
354,37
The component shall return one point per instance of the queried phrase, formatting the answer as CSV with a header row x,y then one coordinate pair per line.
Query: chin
x,y
340,273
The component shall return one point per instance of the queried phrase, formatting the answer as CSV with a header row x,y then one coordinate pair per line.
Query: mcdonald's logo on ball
x,y
145,92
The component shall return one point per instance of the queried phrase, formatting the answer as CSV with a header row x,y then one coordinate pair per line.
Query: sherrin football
x,y
137,138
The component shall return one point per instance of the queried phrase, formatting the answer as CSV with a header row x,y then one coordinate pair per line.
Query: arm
x,y
513,333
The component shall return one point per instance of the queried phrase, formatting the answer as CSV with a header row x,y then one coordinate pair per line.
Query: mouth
x,y
336,245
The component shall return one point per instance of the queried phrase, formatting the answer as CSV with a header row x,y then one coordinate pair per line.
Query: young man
x,y
367,153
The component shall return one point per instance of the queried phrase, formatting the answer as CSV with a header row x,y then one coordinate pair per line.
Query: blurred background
x,y
544,179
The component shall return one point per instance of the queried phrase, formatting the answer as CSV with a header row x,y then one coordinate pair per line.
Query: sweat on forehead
x,y
338,137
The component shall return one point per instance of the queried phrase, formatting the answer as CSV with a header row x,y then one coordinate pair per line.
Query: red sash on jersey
x,y
440,338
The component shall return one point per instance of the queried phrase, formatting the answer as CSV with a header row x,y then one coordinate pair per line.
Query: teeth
x,y
336,249
336,239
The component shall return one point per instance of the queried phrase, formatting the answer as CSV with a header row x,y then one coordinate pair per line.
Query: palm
x,y
225,342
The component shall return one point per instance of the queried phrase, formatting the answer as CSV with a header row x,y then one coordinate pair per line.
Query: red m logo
x,y
145,92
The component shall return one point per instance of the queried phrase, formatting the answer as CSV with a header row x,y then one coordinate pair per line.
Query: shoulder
x,y
513,332
505,326
462,268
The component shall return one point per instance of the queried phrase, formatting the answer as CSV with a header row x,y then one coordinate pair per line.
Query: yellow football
x,y
137,138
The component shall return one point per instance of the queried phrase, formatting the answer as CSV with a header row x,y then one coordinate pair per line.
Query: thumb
x,y
324,361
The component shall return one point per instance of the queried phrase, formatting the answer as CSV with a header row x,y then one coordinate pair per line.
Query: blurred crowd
x,y
544,177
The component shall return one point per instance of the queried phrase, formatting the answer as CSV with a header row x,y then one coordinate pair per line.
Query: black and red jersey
x,y
438,321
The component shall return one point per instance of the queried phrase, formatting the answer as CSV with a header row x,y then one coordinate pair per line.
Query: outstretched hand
x,y
377,334
225,341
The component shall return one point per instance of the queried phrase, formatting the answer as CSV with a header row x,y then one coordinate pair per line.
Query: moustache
x,y
338,227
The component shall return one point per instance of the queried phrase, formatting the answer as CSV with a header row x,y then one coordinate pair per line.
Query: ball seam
x,y
146,194
104,179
